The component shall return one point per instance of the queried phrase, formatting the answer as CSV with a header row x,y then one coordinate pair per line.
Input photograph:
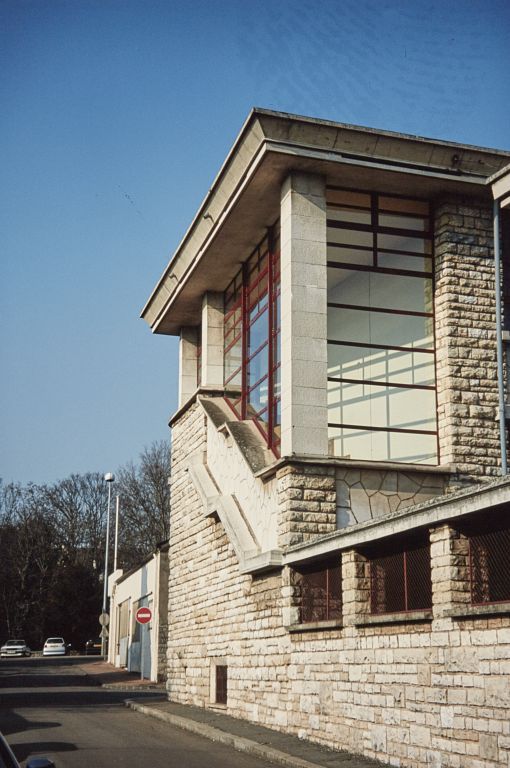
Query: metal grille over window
x,y
400,577
489,560
252,340
221,684
381,354
318,591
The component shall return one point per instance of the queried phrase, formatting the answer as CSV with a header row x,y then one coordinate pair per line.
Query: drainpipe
x,y
499,339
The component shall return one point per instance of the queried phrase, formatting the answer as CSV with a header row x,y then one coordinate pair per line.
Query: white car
x,y
15,648
54,646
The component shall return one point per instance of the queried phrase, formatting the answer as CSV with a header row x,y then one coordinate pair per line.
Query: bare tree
x,y
145,503
78,508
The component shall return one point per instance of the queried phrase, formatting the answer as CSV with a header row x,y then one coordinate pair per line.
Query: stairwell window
x,y
252,340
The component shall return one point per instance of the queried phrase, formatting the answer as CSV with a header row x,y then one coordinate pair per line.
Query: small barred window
x,y
489,558
400,576
318,591
221,684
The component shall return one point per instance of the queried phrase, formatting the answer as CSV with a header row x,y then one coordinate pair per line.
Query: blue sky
x,y
116,116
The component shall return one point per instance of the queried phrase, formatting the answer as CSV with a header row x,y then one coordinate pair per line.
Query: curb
x,y
214,734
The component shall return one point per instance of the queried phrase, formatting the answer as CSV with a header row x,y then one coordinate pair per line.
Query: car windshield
x,y
15,642
55,640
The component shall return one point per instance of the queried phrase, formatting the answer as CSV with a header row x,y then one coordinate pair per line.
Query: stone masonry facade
x,y
465,327
427,690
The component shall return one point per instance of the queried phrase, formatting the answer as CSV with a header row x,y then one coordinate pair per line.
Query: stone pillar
x,y
304,316
449,561
465,313
212,340
306,503
187,364
355,587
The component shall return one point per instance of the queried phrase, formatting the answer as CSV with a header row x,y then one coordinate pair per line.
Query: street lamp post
x,y
109,478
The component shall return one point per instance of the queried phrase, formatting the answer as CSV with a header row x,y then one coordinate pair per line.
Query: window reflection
x,y
381,370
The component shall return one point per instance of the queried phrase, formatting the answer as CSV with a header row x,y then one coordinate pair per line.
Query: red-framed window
x,y
400,579
318,590
489,557
252,339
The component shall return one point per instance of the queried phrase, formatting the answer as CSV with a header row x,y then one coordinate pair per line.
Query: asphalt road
x,y
49,707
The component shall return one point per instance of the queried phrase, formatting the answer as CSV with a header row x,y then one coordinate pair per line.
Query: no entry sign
x,y
143,615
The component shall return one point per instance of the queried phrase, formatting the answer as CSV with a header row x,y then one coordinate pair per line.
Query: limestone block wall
x,y
465,337
433,692
306,501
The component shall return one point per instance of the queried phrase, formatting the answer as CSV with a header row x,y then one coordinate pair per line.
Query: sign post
x,y
143,616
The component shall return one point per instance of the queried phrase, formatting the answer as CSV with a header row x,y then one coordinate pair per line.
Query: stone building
x,y
339,525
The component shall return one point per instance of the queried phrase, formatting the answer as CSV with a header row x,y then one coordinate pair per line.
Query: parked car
x,y
8,760
93,647
54,646
15,648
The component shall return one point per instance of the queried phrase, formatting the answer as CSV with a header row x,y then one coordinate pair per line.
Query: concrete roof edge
x,y
499,174
257,115
203,205
379,131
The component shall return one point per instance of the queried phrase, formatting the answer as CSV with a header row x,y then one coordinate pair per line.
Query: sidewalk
x,y
119,679
280,748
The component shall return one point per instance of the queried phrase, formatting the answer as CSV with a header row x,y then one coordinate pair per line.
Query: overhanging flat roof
x,y
244,198
500,185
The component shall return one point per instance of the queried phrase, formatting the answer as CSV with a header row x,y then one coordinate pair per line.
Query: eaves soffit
x,y
244,198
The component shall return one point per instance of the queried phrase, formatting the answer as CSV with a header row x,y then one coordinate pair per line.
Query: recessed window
x,y
400,578
489,558
318,591
221,684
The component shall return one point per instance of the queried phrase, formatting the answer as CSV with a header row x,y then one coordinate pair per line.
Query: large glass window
x,y
252,339
381,359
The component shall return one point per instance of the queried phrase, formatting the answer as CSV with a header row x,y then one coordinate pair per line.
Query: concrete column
x,y
304,316
187,363
212,340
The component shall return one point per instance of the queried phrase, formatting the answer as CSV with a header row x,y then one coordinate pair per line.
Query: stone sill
x,y
221,707
474,611
336,461
402,617
315,626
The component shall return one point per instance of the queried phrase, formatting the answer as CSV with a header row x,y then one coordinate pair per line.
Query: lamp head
x,y
109,477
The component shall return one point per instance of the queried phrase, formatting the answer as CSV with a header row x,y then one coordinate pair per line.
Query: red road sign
x,y
143,615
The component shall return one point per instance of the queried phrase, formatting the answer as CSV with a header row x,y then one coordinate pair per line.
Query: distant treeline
x,y
52,545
